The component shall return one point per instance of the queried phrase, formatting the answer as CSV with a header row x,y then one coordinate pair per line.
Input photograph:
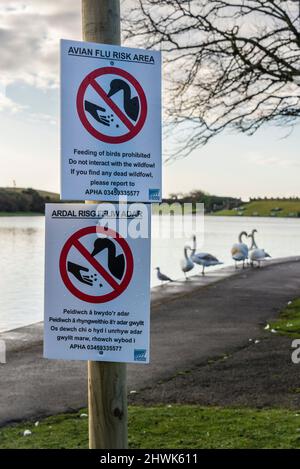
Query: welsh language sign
x,y
97,277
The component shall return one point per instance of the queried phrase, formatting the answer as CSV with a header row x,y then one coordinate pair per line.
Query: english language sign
x,y
110,123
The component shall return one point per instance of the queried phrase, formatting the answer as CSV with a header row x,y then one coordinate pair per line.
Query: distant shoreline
x,y
26,202
213,214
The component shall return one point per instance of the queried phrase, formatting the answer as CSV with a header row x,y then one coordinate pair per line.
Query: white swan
x,y
256,254
239,251
203,258
186,264
162,277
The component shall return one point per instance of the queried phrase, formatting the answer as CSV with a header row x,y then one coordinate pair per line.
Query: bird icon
x,y
116,264
131,105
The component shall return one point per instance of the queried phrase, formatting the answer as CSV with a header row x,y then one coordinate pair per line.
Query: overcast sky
x,y
264,164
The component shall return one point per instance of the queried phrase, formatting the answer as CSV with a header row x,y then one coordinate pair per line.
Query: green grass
x,y
288,322
177,426
21,214
266,208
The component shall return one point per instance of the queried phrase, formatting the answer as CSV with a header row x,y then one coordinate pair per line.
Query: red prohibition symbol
x,y
117,288
133,128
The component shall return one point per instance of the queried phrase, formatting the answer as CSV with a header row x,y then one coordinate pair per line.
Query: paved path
x,y
191,322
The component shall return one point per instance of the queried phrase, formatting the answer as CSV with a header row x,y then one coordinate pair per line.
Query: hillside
x,y
265,208
21,201
212,203
20,190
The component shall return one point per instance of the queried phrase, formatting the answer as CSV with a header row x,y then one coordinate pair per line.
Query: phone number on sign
x,y
100,348
120,192
105,348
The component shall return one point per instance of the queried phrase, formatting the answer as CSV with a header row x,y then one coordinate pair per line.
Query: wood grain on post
x,y
107,405
101,21
107,388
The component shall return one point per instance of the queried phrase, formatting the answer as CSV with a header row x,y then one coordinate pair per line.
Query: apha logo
x,y
139,355
154,194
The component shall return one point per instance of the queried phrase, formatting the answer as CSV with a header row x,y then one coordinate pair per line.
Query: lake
x,y
22,256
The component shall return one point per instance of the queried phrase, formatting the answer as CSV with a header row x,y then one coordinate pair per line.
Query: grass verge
x,y
21,214
288,322
177,426
266,208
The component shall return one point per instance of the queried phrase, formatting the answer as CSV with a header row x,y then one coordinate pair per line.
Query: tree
x,y
229,64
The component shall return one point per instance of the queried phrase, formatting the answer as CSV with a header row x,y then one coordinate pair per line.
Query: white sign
x,y
97,282
110,122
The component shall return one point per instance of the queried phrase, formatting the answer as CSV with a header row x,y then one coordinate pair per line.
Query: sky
x,y
266,164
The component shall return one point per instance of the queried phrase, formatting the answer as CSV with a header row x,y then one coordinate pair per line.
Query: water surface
x,y
22,257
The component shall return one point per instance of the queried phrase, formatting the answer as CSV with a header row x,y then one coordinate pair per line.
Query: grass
x,y
21,214
288,322
266,208
177,426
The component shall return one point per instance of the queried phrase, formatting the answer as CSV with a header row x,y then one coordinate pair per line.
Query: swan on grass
x,y
202,258
240,250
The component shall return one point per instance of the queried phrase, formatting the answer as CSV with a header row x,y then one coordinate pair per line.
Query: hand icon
x,y
94,110
76,269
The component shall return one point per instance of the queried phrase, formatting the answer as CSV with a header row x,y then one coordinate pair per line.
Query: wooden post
x,y
107,405
107,390
101,21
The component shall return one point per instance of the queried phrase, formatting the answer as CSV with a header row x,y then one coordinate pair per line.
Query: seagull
x,y
239,251
203,258
162,277
186,264
256,254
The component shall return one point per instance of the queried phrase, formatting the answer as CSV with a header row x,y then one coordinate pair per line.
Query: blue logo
x,y
140,355
154,194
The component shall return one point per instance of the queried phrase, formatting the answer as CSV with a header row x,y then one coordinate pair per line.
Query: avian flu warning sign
x,y
97,294
110,122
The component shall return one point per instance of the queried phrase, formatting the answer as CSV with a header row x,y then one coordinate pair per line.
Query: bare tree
x,y
229,64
